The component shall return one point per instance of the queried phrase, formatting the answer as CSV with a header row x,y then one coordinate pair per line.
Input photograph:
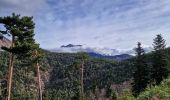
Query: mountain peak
x,y
70,45
71,48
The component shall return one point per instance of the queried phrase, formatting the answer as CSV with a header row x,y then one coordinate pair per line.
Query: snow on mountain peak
x,y
70,48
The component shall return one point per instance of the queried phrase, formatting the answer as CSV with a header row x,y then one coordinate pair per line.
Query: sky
x,y
117,24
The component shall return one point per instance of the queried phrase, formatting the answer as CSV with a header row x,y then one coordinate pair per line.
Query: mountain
x,y
70,45
71,48
98,52
116,57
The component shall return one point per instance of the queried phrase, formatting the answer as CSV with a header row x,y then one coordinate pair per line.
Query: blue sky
x,y
116,24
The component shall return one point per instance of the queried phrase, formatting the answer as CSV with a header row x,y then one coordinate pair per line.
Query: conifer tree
x,y
141,74
159,67
82,57
21,32
37,55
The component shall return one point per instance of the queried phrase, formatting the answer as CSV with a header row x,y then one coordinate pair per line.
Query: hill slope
x,y
60,75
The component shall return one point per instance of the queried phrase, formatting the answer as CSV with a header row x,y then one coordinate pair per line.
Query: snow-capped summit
x,y
71,48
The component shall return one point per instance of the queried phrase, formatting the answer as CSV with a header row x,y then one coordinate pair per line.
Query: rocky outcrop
x,y
4,42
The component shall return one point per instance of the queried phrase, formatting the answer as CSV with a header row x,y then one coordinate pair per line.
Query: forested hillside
x,y
98,73
61,76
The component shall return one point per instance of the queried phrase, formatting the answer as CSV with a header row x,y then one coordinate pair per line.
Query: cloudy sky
x,y
94,23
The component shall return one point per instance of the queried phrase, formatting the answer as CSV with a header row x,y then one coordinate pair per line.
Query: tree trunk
x,y
81,81
10,72
39,82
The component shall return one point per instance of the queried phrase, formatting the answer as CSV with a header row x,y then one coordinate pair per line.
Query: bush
x,y
161,92
126,95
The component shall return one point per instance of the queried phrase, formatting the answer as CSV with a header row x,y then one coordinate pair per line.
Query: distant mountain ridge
x,y
106,53
70,45
116,57
71,48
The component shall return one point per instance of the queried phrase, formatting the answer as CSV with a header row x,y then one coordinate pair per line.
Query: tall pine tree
x,y
141,74
82,57
21,32
160,63
38,58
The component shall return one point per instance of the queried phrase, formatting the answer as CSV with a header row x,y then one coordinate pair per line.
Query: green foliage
x,y
3,73
111,94
23,80
126,95
160,69
64,74
3,63
161,92
141,74
21,31
82,56
53,94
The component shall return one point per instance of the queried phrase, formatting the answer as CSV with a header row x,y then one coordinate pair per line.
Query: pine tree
x,y
82,57
38,56
141,74
159,67
21,32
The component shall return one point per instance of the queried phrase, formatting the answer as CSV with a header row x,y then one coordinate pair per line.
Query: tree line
x,y
150,73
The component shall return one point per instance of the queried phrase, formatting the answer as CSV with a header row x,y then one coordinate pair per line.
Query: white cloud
x,y
98,23
24,7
